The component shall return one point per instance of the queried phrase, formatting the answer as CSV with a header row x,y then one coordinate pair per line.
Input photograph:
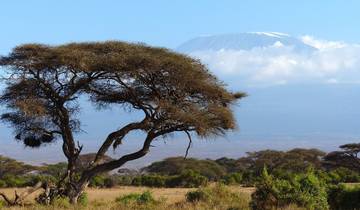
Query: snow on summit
x,y
243,41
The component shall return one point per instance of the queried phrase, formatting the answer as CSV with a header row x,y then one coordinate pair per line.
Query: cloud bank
x,y
332,62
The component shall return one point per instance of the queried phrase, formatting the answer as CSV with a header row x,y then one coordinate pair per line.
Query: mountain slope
x,y
243,41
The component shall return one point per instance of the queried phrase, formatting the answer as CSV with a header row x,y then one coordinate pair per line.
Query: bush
x,y
188,178
124,180
34,179
97,181
61,202
342,197
249,178
346,175
143,198
109,182
232,178
24,181
15,181
198,195
217,197
2,204
311,192
303,190
2,184
83,199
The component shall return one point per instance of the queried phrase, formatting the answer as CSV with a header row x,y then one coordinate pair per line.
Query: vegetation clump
x,y
304,190
217,197
344,197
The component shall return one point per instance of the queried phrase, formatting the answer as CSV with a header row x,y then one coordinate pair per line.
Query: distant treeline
x,y
191,172
307,178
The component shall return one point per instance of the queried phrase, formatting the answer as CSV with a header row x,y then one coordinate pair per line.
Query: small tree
x,y
174,92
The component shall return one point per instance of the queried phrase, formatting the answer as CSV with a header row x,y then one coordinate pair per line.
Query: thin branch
x,y
8,201
79,149
189,145
19,198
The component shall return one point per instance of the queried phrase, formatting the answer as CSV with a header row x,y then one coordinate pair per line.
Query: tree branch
x,y
117,136
19,198
189,145
108,166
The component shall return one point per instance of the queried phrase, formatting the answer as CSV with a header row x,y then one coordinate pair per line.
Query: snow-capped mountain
x,y
243,41
299,87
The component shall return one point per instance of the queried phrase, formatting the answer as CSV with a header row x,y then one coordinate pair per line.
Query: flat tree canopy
x,y
175,93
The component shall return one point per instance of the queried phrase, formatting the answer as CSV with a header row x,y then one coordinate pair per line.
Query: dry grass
x,y
172,195
104,198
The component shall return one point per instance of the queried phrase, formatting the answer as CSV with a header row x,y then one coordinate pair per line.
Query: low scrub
x,y
343,197
217,197
303,190
141,201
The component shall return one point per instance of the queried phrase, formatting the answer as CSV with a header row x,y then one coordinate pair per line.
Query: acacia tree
x,y
174,92
348,157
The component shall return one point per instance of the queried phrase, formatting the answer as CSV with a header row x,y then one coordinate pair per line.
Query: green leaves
x,y
304,190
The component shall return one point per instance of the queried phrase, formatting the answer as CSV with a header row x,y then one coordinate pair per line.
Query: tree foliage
x,y
174,92
347,157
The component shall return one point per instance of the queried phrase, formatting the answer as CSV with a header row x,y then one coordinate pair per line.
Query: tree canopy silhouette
x,y
174,92
348,157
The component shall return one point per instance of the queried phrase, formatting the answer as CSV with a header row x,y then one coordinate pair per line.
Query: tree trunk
x,y
74,198
76,191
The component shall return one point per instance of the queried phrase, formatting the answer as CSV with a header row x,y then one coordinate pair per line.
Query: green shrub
x,y
2,204
33,179
198,195
97,181
2,184
124,180
217,197
143,198
61,202
304,190
232,178
249,178
83,199
109,182
342,197
346,175
15,181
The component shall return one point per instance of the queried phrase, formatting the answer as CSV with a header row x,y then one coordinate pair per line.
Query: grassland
x,y
170,198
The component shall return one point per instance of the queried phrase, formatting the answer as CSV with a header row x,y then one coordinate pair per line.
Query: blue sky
x,y
169,23
290,113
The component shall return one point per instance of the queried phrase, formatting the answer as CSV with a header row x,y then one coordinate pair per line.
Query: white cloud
x,y
322,44
334,62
